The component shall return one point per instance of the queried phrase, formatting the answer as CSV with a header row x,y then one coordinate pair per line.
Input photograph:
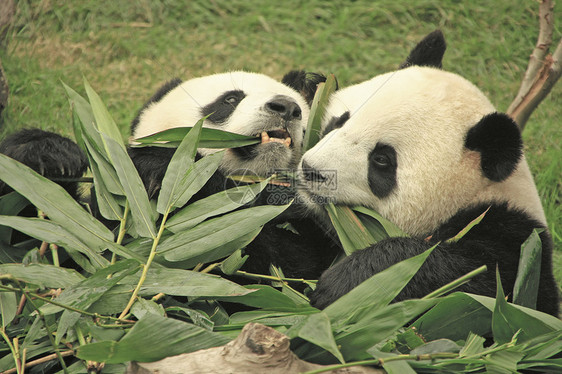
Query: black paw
x,y
49,154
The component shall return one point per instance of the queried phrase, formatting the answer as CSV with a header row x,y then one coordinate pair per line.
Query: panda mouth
x,y
281,136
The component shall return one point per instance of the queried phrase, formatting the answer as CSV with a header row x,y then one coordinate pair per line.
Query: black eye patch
x,y
336,123
382,170
223,106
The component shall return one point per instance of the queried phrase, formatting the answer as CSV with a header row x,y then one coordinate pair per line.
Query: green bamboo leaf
x,y
390,228
210,138
352,233
468,227
474,345
508,320
317,109
11,204
316,329
375,292
82,108
51,232
195,244
392,367
91,289
107,187
142,213
454,317
233,263
264,296
182,161
55,202
194,179
436,346
45,276
105,123
211,248
142,307
552,322
526,287
152,338
8,308
214,205
178,282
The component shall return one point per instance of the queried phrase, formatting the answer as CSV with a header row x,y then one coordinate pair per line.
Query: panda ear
x,y
498,140
428,52
304,82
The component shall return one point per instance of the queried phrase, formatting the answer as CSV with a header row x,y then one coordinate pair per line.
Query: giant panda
x,y
240,102
427,150
255,105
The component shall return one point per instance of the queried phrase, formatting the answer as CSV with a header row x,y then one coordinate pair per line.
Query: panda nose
x,y
285,107
311,174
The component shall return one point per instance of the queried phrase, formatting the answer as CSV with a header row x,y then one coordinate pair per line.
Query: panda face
x,y
397,144
239,102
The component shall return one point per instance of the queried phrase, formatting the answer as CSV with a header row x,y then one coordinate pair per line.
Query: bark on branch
x,y
258,349
543,70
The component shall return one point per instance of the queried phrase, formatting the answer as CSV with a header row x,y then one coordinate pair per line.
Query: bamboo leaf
x,y
352,233
51,232
82,108
10,205
55,202
210,138
142,213
454,317
152,338
317,109
179,165
468,227
195,179
526,287
195,244
45,276
8,308
179,282
508,320
233,263
316,328
390,228
375,292
105,123
91,289
214,205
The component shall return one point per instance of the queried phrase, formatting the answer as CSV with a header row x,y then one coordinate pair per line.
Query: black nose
x,y
284,106
311,174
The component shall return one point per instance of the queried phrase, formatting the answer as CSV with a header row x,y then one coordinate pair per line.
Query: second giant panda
x,y
249,104
427,150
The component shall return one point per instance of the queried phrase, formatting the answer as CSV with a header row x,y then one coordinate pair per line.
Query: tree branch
x,y
542,72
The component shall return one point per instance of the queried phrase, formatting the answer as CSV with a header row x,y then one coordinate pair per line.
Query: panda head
x,y
240,102
417,145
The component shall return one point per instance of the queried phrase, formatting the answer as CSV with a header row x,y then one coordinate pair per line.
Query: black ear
x,y
304,82
428,52
498,140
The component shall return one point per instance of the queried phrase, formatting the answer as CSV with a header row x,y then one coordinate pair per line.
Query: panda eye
x,y
232,100
381,161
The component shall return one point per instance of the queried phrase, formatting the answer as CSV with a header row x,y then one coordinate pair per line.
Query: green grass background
x,y
126,49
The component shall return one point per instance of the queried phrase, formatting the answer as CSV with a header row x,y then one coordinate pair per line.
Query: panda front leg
x,y
49,154
444,265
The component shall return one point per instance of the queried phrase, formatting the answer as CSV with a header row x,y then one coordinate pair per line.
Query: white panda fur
x,y
425,148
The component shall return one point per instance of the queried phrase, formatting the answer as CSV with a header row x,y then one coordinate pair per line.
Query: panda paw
x,y
339,280
49,154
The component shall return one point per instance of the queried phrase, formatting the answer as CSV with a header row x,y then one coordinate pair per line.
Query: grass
x,y
126,49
